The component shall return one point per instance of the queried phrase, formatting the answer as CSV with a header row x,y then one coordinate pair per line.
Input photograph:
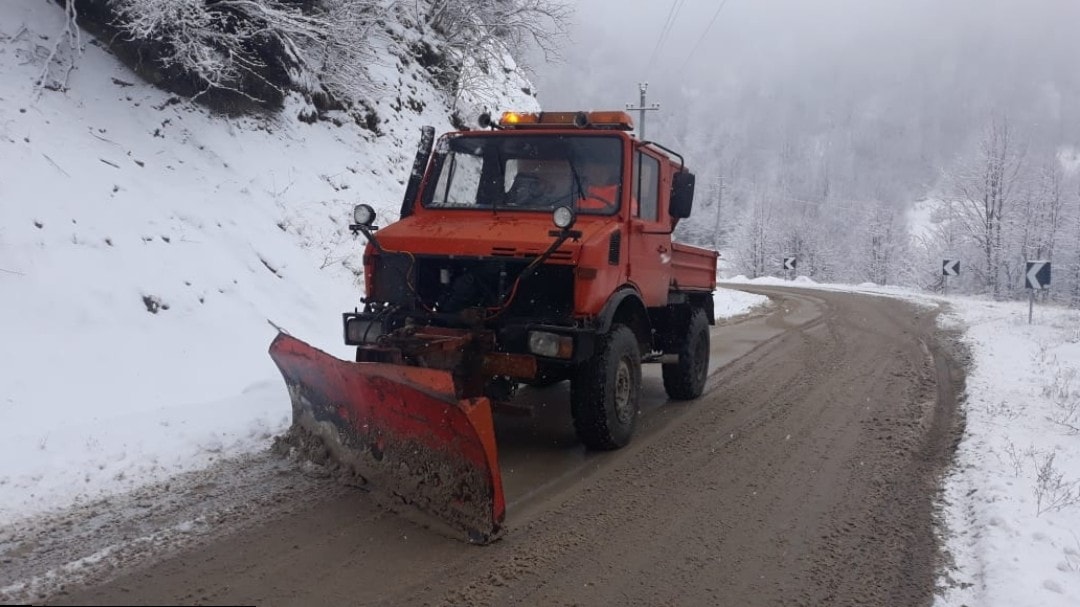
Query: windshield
x,y
528,172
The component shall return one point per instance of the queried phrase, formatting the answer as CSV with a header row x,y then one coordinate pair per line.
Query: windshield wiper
x,y
578,188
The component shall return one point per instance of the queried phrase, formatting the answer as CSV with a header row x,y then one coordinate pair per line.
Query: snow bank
x,y
145,248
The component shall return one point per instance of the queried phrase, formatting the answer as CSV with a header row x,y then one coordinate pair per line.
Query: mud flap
x,y
403,430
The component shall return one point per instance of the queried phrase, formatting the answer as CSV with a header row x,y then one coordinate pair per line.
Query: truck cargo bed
x,y
692,268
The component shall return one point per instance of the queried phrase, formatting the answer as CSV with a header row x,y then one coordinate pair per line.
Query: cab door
x,y
650,229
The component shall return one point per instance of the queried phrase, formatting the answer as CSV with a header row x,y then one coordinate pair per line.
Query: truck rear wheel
x,y
685,379
605,390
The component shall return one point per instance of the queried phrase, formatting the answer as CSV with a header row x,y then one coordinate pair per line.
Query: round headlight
x,y
563,217
363,214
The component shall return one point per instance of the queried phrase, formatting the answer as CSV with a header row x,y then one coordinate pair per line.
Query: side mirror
x,y
682,194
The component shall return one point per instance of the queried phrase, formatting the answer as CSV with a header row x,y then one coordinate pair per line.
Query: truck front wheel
x,y
605,390
685,379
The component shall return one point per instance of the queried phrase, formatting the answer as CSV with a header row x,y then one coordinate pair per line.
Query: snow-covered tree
x,y
1074,299
981,197
883,242
753,245
259,50
479,37
471,26
228,45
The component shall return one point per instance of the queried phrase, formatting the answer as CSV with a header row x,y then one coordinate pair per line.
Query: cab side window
x,y
647,186
459,180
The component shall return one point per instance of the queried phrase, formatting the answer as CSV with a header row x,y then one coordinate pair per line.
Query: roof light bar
x,y
604,120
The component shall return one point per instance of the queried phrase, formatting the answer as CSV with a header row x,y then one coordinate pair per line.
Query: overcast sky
x,y
781,45
613,43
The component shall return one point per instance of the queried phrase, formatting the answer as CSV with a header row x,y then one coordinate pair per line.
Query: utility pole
x,y
719,200
642,108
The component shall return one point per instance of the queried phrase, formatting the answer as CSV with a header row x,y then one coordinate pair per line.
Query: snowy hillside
x,y
145,247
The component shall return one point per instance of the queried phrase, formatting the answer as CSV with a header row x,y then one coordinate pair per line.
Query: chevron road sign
x,y
950,267
1037,275
789,263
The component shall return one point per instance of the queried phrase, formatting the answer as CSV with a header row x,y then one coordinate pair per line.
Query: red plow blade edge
x,y
403,430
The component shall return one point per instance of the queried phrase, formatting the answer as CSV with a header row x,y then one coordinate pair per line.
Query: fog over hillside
x,y
912,79
826,110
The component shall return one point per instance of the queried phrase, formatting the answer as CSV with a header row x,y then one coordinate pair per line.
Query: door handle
x,y
661,249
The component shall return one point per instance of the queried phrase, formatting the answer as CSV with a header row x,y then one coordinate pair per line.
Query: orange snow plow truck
x,y
532,250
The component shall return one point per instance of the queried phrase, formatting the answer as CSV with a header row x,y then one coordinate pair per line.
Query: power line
x,y
705,33
673,14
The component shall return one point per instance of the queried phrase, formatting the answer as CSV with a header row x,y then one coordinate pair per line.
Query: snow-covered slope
x,y
144,246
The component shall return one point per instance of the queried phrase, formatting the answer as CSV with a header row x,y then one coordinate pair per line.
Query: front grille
x,y
452,285
448,286
559,255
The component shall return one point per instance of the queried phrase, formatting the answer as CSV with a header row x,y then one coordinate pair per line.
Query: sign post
x,y
789,264
1036,277
949,267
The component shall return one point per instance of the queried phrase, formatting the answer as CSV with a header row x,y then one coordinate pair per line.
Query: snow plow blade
x,y
403,430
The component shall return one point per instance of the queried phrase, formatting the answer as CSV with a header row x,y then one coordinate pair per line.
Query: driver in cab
x,y
551,183
540,184
600,185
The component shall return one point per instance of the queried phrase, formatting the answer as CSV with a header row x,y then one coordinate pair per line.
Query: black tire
x,y
605,391
685,380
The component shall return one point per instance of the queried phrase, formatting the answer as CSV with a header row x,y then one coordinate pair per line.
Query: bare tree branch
x,y
69,35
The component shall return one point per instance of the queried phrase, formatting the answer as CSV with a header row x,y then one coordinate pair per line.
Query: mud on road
x,y
805,476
